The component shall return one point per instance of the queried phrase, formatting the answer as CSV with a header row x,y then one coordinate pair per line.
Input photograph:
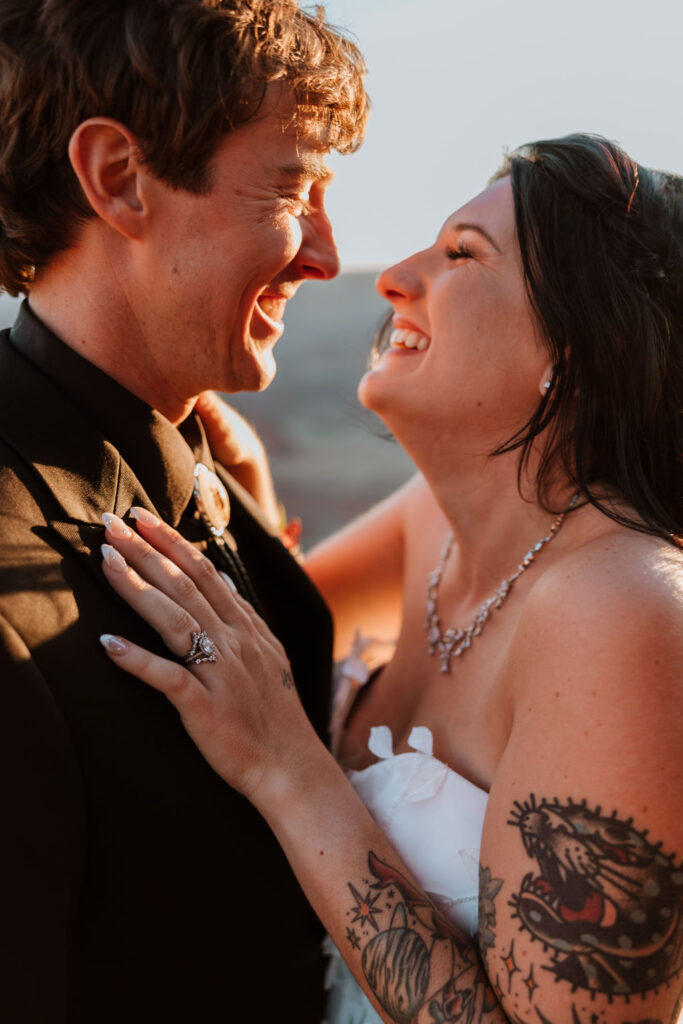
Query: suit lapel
x,y
80,473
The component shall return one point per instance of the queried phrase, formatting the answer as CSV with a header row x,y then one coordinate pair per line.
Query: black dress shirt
x,y
137,886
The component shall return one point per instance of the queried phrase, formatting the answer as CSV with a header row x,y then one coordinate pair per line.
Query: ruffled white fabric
x,y
434,819
367,654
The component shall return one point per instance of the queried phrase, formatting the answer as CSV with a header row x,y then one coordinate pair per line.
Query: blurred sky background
x,y
454,81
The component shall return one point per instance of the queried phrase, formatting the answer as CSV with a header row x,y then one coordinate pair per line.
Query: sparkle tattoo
x,y
364,910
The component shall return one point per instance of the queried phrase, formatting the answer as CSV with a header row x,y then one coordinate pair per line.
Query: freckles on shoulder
x,y
614,589
601,654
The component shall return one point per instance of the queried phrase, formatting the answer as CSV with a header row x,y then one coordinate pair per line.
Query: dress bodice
x,y
434,818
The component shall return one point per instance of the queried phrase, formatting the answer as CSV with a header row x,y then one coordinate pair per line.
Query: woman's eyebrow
x,y
480,229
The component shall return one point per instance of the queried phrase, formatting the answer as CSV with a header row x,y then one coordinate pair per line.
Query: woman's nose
x,y
399,281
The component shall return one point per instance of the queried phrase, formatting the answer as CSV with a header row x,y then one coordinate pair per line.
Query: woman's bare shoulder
x,y
609,611
616,572
595,676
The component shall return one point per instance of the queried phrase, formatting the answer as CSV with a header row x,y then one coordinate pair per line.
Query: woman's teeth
x,y
400,338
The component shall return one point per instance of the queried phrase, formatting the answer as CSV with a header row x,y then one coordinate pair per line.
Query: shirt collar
x,y
160,455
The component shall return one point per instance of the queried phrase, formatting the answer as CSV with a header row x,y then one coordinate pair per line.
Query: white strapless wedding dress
x,y
434,818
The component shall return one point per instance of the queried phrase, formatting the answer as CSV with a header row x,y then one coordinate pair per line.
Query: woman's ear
x,y
104,156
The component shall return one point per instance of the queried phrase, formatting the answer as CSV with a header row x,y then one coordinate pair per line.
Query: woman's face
x,y
465,361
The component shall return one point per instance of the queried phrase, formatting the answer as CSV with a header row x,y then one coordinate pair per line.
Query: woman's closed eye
x,y
461,252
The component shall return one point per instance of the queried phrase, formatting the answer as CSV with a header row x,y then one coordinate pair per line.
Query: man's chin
x,y
256,372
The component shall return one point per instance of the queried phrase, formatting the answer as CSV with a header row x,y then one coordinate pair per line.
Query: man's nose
x,y
317,257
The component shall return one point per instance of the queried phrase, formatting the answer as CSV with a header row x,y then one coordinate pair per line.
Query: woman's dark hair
x,y
601,240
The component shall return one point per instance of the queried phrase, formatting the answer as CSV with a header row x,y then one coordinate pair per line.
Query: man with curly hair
x,y
162,185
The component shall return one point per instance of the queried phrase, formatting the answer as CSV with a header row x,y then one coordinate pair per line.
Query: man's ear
x,y
104,156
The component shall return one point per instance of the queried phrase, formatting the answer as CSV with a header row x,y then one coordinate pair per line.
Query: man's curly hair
x,y
180,74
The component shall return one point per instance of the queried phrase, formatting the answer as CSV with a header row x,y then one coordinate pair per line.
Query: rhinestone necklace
x,y
455,642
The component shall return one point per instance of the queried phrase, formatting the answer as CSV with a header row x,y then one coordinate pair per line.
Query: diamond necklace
x,y
454,642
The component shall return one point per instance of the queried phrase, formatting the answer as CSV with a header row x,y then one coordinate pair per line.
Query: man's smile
x,y
272,306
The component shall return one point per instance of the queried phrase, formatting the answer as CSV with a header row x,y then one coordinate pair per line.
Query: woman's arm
x,y
584,830
244,714
236,445
360,569
580,907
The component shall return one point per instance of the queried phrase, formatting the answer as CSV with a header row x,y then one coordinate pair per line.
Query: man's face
x,y
218,269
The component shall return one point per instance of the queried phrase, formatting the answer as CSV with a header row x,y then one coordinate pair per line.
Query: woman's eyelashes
x,y
460,252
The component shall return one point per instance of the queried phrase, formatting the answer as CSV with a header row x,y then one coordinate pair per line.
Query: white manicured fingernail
x,y
230,582
113,559
113,644
143,516
117,528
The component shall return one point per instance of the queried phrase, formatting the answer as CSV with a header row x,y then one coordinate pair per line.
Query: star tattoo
x,y
365,908
353,938
531,983
510,964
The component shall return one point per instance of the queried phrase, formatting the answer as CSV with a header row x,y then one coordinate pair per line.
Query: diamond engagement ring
x,y
202,649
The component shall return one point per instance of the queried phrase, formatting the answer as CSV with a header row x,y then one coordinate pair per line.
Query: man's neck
x,y
101,327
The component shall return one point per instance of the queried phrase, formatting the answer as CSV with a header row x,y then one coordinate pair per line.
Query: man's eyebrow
x,y
312,169
480,229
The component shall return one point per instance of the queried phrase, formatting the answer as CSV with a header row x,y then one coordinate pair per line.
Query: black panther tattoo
x,y
605,900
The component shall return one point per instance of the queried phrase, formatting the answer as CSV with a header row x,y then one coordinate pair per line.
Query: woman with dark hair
x,y
605,284
528,724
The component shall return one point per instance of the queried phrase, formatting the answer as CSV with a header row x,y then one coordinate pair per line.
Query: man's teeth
x,y
272,307
401,338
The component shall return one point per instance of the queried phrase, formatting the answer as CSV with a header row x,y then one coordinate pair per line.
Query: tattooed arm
x,y
584,826
408,957
243,712
580,908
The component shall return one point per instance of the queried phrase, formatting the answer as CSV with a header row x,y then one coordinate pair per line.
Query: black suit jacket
x,y
136,885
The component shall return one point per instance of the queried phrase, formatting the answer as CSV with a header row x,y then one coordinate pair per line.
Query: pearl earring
x,y
547,384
